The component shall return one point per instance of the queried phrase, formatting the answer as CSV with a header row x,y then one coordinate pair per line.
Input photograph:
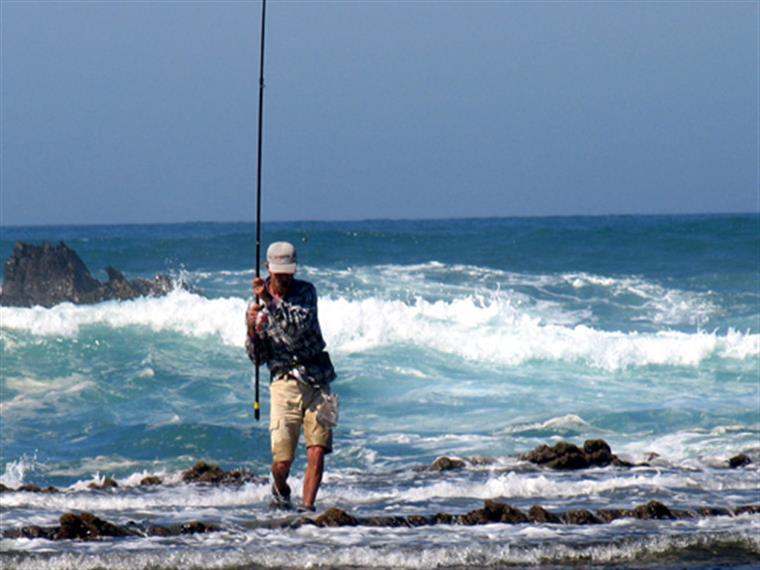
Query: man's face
x,y
281,281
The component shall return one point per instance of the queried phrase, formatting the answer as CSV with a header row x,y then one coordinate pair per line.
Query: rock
x,y
107,483
609,515
747,509
158,531
739,461
150,480
580,516
653,510
713,512
32,489
47,275
566,456
336,517
481,460
494,512
443,518
4,489
538,514
37,532
197,527
385,521
417,520
203,472
446,464
87,527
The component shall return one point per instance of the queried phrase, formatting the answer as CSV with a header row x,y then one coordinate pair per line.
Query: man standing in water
x,y
284,333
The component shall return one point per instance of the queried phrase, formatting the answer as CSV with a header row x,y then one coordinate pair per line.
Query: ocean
x,y
470,338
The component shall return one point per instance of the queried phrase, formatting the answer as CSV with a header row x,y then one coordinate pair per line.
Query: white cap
x,y
281,257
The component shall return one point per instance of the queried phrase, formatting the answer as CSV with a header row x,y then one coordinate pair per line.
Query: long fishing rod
x,y
256,405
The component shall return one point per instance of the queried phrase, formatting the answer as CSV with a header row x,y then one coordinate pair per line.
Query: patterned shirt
x,y
291,341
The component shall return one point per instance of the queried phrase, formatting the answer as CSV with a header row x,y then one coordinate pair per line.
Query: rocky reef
x,y
87,526
49,274
566,456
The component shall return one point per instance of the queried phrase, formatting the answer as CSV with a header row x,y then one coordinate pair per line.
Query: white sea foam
x,y
485,329
439,547
35,394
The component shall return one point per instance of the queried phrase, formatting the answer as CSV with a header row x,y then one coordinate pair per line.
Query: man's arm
x,y
256,343
295,317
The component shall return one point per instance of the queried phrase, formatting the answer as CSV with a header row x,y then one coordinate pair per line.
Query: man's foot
x,y
281,498
306,508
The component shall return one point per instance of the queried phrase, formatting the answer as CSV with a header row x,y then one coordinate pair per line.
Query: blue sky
x,y
128,112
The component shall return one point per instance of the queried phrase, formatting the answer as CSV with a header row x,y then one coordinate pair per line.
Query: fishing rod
x,y
256,405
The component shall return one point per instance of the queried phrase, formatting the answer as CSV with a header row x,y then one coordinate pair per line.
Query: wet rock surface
x,y
567,456
87,526
211,473
49,274
445,463
107,483
739,461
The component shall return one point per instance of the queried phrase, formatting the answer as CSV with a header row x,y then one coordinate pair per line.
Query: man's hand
x,y
255,319
261,291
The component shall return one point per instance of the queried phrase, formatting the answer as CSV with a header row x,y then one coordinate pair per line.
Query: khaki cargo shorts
x,y
294,404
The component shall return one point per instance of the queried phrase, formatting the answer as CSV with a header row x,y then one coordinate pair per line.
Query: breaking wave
x,y
494,328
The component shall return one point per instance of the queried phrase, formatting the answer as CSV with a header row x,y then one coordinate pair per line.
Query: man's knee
x,y
279,467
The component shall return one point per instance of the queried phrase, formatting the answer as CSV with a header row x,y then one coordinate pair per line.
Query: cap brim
x,y
282,268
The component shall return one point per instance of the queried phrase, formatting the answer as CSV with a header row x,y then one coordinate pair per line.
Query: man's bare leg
x,y
313,477
280,472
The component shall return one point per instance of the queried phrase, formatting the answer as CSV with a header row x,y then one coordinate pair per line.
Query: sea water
x,y
469,338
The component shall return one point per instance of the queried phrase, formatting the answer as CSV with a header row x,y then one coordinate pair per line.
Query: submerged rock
x,y
203,472
539,514
446,464
653,510
739,461
107,483
494,512
566,456
49,274
336,517
87,526
580,516
150,480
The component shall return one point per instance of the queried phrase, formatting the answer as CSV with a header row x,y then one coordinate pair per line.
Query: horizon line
x,y
381,219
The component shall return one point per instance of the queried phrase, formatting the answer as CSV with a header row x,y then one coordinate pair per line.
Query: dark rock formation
x,y
539,514
107,483
739,461
203,472
336,517
150,480
494,512
446,464
565,455
580,516
34,489
197,527
653,510
87,527
47,275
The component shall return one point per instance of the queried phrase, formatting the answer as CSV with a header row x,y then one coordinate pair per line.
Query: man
x,y
284,333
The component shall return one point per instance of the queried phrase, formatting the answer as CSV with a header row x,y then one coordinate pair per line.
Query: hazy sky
x,y
146,111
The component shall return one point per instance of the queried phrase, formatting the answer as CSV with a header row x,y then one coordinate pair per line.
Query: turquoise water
x,y
459,337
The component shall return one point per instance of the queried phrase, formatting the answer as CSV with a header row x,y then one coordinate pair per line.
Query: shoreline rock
x,y
567,456
47,275
87,526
